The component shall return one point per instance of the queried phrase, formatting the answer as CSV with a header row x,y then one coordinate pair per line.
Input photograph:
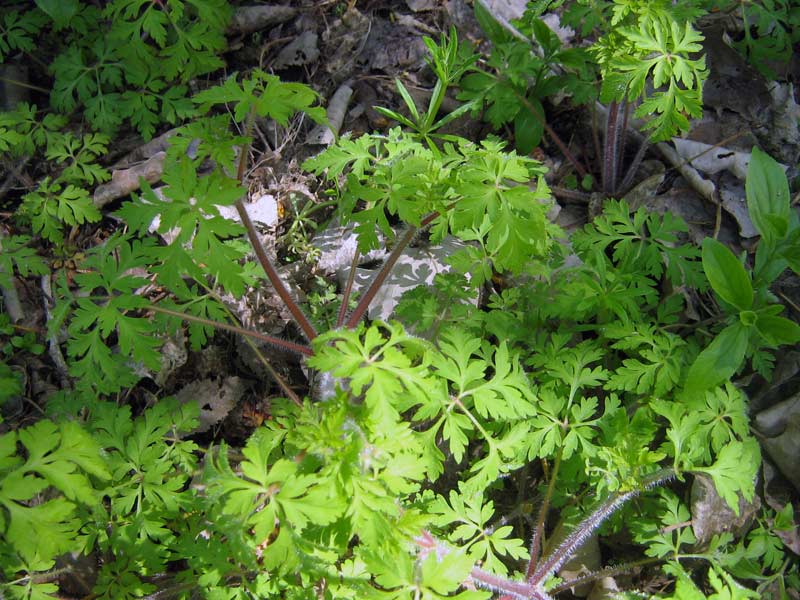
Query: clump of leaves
x,y
576,368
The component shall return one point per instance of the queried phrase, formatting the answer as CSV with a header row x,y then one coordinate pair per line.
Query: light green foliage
x,y
63,459
110,311
645,239
449,61
53,205
637,44
463,184
656,48
752,319
757,557
469,516
520,76
585,369
266,95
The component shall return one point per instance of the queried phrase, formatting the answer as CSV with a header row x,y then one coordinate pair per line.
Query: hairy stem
x,y
586,527
611,149
607,572
538,530
507,587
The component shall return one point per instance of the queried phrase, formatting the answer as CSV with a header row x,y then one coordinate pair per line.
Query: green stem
x,y
23,84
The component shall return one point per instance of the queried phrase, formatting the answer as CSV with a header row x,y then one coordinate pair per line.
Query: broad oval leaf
x,y
767,193
720,360
778,330
727,275
528,128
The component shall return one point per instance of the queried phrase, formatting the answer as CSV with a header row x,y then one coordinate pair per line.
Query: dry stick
x,y
272,274
565,194
282,383
610,157
275,341
634,166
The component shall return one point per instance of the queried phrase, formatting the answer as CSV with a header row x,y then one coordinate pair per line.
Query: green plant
x,y
403,473
770,30
521,75
637,45
751,311
449,62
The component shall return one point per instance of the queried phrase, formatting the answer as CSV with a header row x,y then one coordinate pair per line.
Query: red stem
x,y
261,254
380,278
281,343
272,274
348,289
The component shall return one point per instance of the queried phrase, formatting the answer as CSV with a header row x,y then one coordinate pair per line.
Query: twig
x,y
10,295
53,347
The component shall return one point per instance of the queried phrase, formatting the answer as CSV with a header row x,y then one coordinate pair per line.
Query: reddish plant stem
x,y
348,289
380,278
275,341
272,273
538,532
308,329
607,572
610,158
553,136
579,535
508,587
